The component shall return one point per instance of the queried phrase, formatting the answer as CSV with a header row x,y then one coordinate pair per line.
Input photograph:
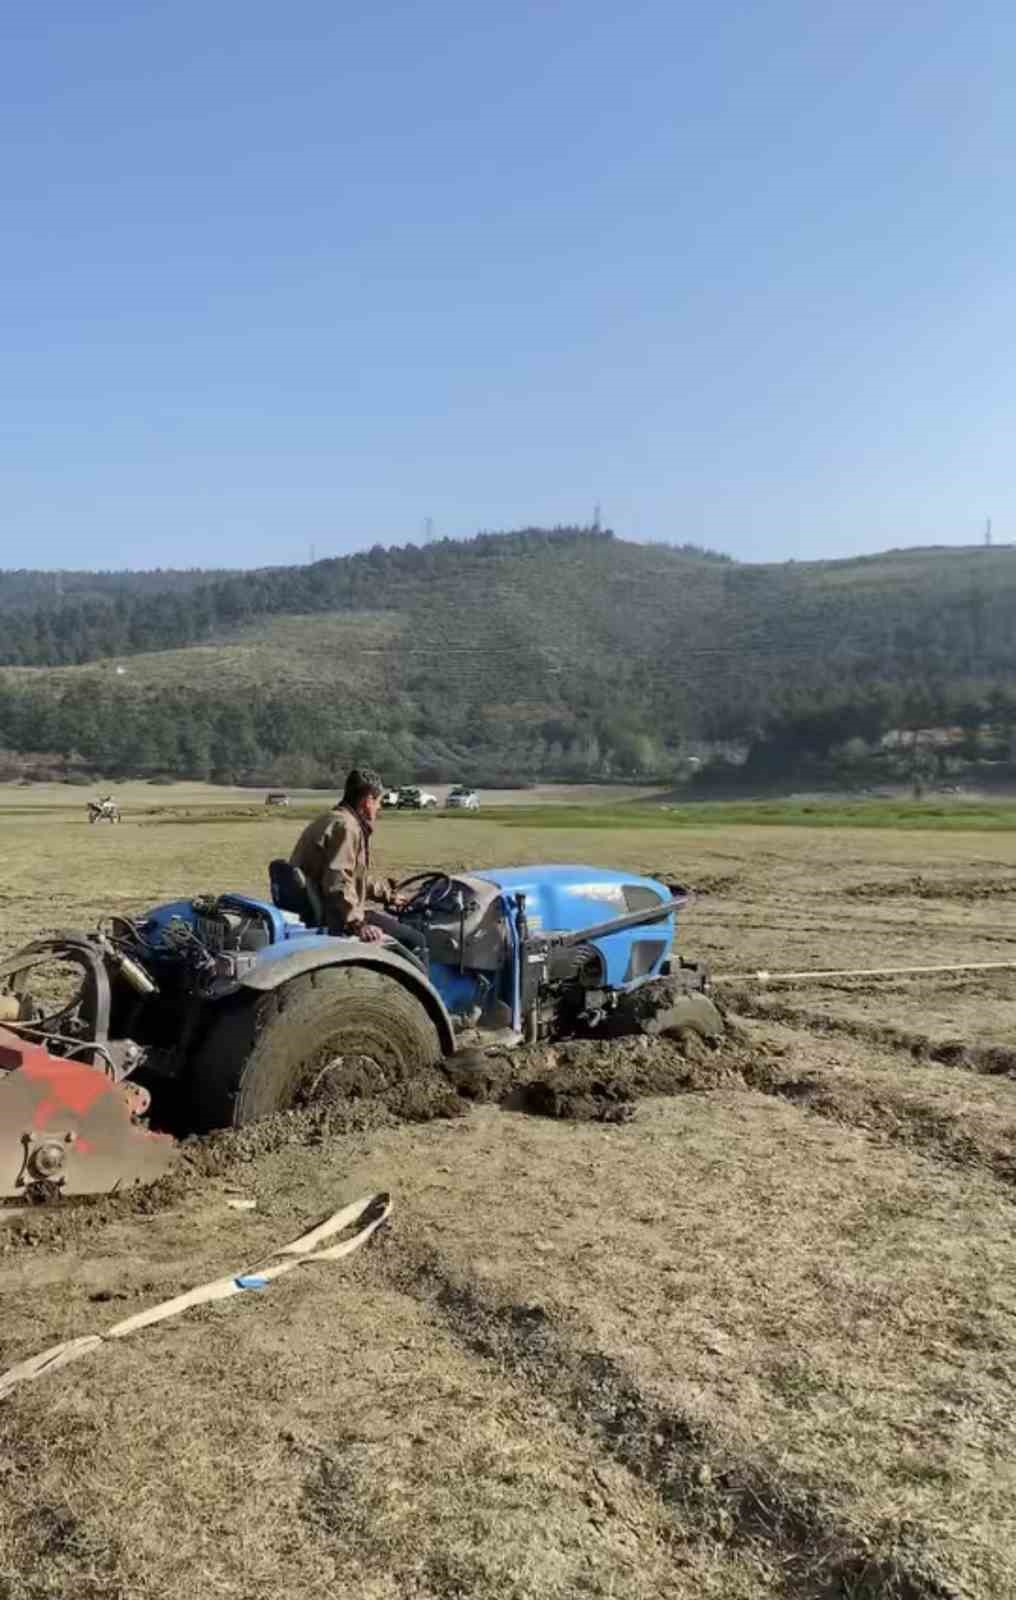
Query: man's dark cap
x,y
362,781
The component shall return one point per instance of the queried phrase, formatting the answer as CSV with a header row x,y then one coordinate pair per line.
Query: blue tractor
x,y
229,1008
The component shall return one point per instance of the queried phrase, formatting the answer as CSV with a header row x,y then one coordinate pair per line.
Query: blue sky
x,y
285,276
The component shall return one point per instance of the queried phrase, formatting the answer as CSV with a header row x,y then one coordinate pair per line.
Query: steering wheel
x,y
433,887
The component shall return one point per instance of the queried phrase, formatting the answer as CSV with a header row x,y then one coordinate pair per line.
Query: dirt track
x,y
756,1341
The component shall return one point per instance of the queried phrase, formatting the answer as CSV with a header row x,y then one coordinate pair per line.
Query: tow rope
x,y
859,972
367,1214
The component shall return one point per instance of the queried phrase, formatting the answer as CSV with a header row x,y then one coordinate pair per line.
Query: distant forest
x,y
22,589
537,654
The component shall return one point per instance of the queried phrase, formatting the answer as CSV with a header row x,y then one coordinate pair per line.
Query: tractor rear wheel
x,y
340,1031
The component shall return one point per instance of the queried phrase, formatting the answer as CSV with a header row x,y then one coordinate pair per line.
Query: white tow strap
x,y
368,1214
859,972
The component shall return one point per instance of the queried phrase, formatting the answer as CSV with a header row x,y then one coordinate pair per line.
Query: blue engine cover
x,y
563,899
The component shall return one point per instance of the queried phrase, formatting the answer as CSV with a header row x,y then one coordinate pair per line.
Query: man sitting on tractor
x,y
333,853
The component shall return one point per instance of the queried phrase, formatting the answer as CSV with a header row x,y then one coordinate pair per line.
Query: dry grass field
x,y
759,1341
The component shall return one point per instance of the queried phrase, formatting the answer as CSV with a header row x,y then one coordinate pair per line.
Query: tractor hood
x,y
564,898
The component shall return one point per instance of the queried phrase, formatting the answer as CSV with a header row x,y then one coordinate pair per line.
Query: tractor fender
x,y
271,971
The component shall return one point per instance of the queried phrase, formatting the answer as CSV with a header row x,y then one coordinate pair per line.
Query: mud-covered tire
x,y
692,1013
668,1009
268,1050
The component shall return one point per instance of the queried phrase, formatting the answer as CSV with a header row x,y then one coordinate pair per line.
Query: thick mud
x,y
581,1080
585,1080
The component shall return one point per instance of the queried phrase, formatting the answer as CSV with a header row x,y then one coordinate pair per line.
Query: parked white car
x,y
413,799
390,798
462,798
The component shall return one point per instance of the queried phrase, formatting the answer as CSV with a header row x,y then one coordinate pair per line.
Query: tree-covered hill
x,y
558,653
22,589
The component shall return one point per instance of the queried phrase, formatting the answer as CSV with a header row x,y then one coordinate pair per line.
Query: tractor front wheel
x,y
340,1031
667,1007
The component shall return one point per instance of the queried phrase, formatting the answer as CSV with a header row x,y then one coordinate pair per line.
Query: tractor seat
x,y
292,892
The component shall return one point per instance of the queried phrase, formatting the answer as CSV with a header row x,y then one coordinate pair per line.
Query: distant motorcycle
x,y
104,810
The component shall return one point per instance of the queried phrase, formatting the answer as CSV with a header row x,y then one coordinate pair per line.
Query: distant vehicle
x,y
390,798
276,799
105,809
462,798
412,798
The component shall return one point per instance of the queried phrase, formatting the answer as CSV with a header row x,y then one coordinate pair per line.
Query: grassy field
x,y
758,1342
575,807
891,814
140,800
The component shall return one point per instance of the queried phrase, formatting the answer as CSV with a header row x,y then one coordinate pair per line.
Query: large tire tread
x,y
264,1049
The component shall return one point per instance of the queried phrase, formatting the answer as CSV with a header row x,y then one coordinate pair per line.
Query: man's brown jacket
x,y
333,852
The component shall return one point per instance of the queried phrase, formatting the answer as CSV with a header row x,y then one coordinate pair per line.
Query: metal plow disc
x,y
67,1128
